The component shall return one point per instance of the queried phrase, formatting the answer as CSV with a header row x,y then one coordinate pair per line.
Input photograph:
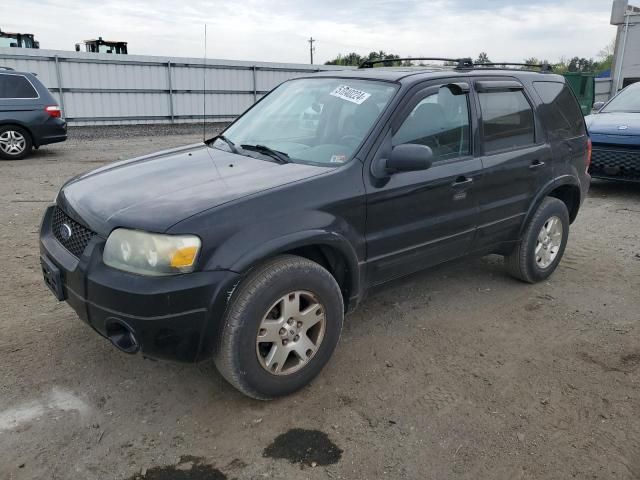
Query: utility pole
x,y
311,47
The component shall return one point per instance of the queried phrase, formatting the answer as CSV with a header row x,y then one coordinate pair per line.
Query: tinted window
x,y
560,110
16,86
439,121
507,120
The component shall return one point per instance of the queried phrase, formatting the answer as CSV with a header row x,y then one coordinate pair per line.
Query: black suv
x,y
29,115
251,246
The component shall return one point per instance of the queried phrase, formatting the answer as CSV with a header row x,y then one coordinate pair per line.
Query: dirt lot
x,y
459,372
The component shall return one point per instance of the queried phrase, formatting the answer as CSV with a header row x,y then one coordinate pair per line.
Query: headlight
x,y
151,253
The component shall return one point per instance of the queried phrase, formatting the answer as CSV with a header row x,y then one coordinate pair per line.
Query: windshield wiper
x,y
280,157
231,145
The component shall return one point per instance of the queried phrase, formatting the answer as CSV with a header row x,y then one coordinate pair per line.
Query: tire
x,y
256,314
15,143
529,265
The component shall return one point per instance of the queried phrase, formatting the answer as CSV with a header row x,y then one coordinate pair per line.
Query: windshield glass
x,y
627,101
319,120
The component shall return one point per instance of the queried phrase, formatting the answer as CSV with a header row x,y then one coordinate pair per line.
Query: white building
x,y
626,63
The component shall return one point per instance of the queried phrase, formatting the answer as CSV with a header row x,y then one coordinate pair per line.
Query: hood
x,y
615,123
156,191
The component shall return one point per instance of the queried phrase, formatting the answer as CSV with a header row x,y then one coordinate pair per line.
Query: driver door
x,y
422,218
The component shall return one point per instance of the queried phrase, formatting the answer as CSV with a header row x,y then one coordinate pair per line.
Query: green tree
x,y
352,59
356,59
606,57
483,58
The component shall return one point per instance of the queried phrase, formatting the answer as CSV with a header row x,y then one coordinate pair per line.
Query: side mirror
x,y
409,157
598,105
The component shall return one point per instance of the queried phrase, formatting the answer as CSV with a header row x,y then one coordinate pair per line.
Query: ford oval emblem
x,y
623,127
65,232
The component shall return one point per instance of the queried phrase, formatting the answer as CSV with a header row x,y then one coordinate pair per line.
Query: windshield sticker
x,y
350,94
338,158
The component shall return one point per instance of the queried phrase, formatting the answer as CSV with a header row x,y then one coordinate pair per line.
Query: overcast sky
x,y
277,30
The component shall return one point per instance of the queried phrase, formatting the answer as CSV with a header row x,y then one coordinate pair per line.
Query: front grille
x,y
621,162
80,235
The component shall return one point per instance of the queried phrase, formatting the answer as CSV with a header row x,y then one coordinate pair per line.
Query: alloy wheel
x,y
12,142
549,242
290,333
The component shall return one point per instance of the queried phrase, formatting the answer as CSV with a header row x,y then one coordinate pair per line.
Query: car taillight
x,y
589,150
53,110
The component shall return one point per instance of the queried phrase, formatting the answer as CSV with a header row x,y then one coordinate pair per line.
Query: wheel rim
x,y
290,333
12,142
549,242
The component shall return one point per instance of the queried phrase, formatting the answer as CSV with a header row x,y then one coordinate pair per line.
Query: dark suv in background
x,y
251,247
29,115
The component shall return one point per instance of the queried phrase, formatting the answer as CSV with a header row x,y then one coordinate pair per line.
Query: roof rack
x,y
6,68
544,67
460,62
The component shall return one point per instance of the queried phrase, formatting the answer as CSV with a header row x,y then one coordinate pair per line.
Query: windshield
x,y
319,121
627,100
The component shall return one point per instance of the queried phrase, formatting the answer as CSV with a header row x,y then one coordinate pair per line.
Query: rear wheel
x,y
15,143
543,242
281,327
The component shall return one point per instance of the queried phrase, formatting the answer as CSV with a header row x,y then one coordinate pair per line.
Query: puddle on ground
x,y
306,447
188,468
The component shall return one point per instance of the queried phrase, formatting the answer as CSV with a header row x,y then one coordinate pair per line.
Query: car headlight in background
x,y
151,253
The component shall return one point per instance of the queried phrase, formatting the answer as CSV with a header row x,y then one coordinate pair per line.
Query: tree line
x,y
574,64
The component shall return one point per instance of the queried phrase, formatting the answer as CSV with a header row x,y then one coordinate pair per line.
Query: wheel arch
x,y
566,189
15,123
330,250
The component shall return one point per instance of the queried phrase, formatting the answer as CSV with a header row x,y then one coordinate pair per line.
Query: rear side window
x,y
560,110
16,86
507,120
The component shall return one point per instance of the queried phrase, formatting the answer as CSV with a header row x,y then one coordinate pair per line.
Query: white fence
x,y
104,89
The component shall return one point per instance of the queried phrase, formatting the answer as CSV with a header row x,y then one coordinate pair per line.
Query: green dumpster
x,y
583,85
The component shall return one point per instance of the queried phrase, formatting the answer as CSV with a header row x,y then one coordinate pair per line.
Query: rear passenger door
x,y
515,159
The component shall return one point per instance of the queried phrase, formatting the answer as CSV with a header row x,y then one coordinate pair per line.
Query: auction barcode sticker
x,y
350,94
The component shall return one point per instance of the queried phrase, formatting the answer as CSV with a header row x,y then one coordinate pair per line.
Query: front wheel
x,y
281,327
542,245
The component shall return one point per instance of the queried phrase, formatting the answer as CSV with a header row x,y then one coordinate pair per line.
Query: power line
x,y
311,47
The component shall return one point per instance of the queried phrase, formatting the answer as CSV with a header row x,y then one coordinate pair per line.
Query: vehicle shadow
x,y
622,190
200,386
44,153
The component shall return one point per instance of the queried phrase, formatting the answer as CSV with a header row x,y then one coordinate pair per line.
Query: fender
x,y
544,192
297,240
304,239
239,245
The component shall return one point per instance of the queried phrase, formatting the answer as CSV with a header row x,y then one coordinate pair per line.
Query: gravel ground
x,y
459,372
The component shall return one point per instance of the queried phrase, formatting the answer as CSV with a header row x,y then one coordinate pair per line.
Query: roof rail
x,y
544,67
6,68
460,62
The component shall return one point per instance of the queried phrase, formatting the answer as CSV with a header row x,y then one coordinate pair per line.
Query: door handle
x,y
462,182
536,164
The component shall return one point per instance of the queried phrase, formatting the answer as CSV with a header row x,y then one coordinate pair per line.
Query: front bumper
x,y
171,317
